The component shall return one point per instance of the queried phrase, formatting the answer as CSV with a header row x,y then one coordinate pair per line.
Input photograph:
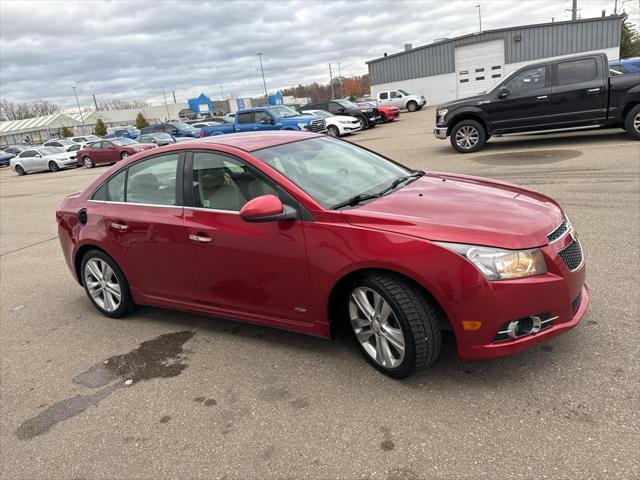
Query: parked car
x,y
64,143
400,99
122,132
302,231
40,159
337,125
16,149
161,138
110,151
368,116
565,94
85,139
626,65
279,117
5,158
177,129
75,147
387,113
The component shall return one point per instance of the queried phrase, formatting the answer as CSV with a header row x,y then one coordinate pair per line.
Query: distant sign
x,y
203,108
240,103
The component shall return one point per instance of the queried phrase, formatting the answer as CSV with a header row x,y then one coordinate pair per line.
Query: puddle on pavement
x,y
162,357
536,157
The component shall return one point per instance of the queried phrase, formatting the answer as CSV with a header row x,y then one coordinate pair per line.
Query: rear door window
x,y
153,181
115,187
246,117
577,71
384,95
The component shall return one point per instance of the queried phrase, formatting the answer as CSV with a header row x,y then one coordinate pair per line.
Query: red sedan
x,y
304,232
110,151
388,113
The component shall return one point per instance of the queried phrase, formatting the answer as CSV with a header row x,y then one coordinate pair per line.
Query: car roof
x,y
251,141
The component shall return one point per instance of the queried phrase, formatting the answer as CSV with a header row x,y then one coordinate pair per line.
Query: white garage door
x,y
479,66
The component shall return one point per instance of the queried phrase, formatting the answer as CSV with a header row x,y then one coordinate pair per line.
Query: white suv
x,y
401,99
337,125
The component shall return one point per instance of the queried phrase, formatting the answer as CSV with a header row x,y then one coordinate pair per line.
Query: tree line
x,y
39,108
354,86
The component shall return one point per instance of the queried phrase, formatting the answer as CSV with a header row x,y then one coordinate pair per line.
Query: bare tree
x,y
117,104
20,111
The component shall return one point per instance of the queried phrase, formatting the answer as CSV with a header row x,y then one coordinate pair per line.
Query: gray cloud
x,y
129,49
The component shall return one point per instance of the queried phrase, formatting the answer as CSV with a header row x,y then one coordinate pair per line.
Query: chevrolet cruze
x,y
303,232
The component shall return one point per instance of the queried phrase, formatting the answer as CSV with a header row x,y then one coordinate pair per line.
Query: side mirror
x,y
503,92
266,208
37,155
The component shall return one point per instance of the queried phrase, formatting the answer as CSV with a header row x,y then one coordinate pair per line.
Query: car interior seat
x,y
217,190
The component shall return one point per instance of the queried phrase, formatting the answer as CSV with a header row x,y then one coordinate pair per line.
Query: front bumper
x,y
440,132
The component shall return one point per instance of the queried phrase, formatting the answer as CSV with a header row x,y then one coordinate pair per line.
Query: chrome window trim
x,y
215,210
137,204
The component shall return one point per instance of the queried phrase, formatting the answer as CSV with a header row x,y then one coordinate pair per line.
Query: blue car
x,y
177,129
626,65
119,132
5,158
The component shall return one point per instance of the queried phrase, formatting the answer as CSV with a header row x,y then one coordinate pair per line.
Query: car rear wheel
x,y
395,325
106,285
19,170
333,131
632,122
412,106
468,136
53,166
124,155
86,161
364,123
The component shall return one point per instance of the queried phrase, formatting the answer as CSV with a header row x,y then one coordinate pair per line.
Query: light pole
x,y
165,104
78,103
479,17
331,81
264,83
340,80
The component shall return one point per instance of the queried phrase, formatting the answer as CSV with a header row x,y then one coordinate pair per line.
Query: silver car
x,y
39,159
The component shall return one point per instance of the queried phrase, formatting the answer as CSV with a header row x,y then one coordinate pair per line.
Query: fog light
x,y
524,326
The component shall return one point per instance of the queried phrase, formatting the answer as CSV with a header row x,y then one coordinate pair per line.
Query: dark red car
x,y
110,151
302,231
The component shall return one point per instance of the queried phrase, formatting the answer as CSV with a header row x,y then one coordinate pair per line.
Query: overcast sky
x,y
130,49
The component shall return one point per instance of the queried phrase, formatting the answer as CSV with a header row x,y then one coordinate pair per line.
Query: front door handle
x,y
120,227
543,97
593,90
200,238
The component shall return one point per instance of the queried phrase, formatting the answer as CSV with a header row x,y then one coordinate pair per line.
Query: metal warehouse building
x,y
454,68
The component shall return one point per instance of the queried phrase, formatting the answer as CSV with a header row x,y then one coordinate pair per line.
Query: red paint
x,y
281,273
264,206
111,154
390,113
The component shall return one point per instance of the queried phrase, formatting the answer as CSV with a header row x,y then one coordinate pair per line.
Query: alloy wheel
x,y
467,137
87,162
53,166
376,327
102,284
636,122
332,131
124,155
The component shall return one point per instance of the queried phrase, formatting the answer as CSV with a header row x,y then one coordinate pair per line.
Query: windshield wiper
x,y
361,197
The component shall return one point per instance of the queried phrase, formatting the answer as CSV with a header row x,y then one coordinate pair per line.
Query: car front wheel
x,y
86,161
333,131
468,136
395,325
53,166
106,285
632,122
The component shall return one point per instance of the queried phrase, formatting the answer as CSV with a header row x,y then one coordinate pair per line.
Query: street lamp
x,y
264,83
78,103
479,17
165,104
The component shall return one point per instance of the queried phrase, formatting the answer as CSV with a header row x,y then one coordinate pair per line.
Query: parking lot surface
x,y
212,398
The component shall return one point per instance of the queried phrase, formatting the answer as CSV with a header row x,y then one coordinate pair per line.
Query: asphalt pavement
x,y
210,398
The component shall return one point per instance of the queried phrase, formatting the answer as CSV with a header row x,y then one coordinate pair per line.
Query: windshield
x,y
319,113
284,112
403,92
347,104
182,126
332,171
162,136
50,150
122,141
63,141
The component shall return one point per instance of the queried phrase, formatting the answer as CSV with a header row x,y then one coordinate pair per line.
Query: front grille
x,y
318,126
559,231
576,304
572,255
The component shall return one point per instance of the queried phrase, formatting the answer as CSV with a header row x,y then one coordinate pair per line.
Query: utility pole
x,y
174,96
221,93
264,83
78,103
574,10
331,81
340,80
479,17
165,104
95,102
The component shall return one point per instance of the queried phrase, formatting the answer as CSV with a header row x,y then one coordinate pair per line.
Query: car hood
x,y
463,209
464,102
143,146
298,119
61,156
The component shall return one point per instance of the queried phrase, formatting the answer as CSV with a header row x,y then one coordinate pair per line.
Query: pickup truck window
x,y
260,116
246,117
526,81
395,95
577,71
384,96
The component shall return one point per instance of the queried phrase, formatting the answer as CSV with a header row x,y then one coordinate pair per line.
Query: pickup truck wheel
x,y
468,136
632,122
412,106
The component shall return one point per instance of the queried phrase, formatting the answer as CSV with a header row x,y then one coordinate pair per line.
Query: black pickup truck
x,y
570,93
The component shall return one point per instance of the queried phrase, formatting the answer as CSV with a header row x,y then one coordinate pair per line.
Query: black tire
x,y
124,155
87,162
477,134
53,166
632,122
383,118
363,122
333,131
412,106
417,316
19,170
126,301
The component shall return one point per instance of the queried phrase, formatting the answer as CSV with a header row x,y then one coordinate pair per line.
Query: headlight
x,y
302,126
368,110
441,114
500,264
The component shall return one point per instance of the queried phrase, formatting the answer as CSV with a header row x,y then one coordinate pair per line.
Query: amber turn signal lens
x,y
471,325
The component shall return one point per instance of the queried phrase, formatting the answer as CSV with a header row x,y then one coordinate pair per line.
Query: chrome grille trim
x,y
560,231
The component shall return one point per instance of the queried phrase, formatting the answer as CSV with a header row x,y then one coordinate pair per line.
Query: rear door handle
x,y
593,90
543,97
200,238
120,227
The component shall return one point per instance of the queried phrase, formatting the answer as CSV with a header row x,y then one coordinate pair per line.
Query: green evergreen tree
x,y
141,122
101,128
629,41
66,132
